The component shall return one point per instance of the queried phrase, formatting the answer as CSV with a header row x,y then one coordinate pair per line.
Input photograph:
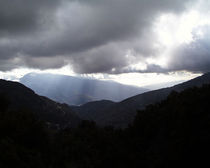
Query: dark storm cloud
x,y
21,16
91,35
99,60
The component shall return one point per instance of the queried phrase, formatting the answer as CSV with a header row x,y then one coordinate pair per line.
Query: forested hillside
x,y
173,133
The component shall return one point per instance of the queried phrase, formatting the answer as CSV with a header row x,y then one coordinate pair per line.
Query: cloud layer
x,y
194,56
92,36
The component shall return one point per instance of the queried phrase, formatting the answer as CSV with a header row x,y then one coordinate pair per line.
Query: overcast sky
x,y
106,37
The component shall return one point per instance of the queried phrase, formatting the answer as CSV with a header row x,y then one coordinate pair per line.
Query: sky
x,y
137,42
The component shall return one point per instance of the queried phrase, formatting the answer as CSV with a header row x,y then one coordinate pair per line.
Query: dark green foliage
x,y
173,133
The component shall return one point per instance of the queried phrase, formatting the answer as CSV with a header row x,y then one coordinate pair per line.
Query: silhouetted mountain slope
x,y
75,90
21,97
122,113
170,134
174,132
164,85
91,110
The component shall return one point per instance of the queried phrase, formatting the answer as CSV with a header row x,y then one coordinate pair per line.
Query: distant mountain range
x,y
104,112
76,90
23,98
121,114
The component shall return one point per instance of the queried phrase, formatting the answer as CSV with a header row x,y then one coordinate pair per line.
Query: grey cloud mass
x,y
194,56
22,16
90,35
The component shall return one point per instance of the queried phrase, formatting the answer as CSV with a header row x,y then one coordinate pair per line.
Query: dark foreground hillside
x,y
173,133
21,97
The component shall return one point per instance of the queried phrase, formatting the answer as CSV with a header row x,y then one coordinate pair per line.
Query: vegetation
x,y
173,133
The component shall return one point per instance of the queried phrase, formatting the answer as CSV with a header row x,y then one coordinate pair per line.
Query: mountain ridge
x,y
77,91
121,114
21,97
